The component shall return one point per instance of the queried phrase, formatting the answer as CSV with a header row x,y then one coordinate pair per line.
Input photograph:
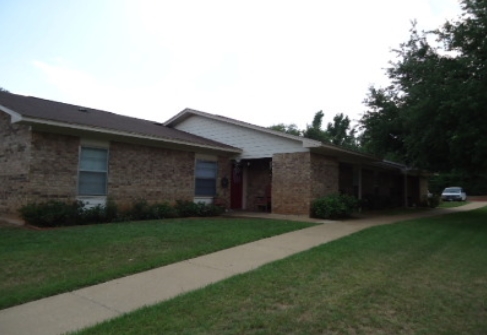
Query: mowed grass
x,y
425,276
451,204
40,263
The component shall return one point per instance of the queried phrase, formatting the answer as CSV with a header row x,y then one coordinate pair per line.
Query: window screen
x,y
93,171
205,178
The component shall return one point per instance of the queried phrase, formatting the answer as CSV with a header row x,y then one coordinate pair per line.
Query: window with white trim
x,y
93,172
205,177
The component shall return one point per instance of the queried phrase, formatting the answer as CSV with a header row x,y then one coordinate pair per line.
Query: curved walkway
x,y
88,306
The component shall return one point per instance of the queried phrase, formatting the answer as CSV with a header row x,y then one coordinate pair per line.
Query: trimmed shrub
x,y
335,206
53,213
431,201
57,213
163,211
97,214
186,208
140,210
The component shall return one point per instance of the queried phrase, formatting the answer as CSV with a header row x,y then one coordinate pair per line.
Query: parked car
x,y
453,193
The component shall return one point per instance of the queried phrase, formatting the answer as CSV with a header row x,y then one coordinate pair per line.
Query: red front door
x,y
236,187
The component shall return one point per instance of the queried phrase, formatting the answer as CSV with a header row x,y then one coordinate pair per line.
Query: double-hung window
x,y
93,172
205,177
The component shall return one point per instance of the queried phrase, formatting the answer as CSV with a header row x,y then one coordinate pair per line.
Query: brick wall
x,y
14,165
224,171
291,183
150,173
299,178
54,167
39,166
423,187
324,176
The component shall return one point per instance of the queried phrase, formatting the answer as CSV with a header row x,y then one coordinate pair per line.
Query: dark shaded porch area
x,y
258,195
379,187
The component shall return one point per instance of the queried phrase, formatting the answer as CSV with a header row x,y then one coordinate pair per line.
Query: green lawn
x,y
35,264
450,204
425,276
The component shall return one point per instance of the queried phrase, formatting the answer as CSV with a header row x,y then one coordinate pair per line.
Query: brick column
x,y
291,183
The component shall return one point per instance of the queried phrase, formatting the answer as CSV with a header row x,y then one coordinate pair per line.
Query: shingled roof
x,y
35,110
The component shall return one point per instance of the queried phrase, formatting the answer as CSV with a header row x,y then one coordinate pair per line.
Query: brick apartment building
x,y
52,150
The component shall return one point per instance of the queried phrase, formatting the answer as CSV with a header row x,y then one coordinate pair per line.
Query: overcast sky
x,y
263,62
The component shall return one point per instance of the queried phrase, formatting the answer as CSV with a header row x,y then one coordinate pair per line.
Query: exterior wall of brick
x,y
259,178
291,176
14,165
423,187
224,171
150,173
54,167
324,176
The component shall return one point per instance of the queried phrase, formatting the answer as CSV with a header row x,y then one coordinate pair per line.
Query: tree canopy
x,y
338,132
287,128
433,113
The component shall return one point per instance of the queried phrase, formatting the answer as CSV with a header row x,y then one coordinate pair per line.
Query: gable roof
x,y
32,110
188,112
313,145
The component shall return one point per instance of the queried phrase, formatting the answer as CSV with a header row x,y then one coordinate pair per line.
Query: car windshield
x,y
452,190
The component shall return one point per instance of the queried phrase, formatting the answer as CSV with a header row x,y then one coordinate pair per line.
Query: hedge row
x,y
57,213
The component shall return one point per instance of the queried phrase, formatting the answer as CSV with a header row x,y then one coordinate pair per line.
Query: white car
x,y
453,193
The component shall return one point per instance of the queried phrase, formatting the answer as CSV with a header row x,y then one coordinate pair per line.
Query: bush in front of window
x,y
188,208
163,211
335,206
57,213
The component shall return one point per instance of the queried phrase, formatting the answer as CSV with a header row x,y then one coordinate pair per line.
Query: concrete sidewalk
x,y
88,306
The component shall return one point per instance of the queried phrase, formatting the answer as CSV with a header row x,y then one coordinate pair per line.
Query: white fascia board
x,y
309,143
15,117
181,116
122,133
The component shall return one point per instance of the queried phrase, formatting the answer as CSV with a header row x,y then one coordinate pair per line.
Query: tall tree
x,y
314,130
3,90
339,132
291,128
433,114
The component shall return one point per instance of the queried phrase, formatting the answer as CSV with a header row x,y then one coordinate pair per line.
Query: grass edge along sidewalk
x,y
423,276
37,264
59,314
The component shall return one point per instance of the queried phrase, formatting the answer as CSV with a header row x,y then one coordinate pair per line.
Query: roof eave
x,y
15,117
35,121
334,150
